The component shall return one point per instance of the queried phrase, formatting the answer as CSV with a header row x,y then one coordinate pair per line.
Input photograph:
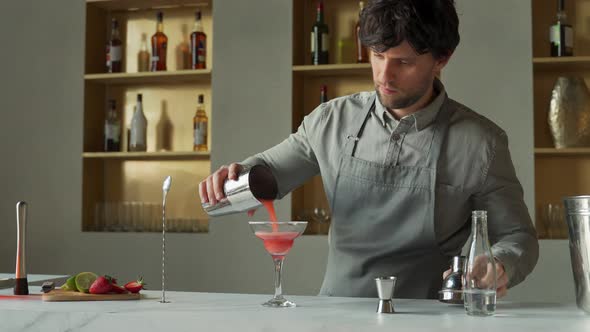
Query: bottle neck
x,y
320,13
115,33
198,25
160,27
479,226
561,17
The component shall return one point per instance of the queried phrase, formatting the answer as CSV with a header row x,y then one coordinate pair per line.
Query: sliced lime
x,y
83,281
70,284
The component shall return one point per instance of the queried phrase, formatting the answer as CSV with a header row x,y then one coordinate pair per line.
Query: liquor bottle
x,y
198,44
479,289
200,127
138,131
561,34
320,41
361,51
323,94
143,57
159,46
112,129
114,50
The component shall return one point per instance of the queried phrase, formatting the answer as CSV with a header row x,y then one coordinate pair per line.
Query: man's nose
x,y
387,71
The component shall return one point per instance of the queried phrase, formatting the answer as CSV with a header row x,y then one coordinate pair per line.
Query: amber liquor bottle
x,y
200,123
561,34
114,49
159,46
361,51
198,44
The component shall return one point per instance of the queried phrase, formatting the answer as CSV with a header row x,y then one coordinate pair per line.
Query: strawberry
x,y
135,286
118,289
101,285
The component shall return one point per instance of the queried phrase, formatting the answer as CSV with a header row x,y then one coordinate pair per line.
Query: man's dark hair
x,y
427,25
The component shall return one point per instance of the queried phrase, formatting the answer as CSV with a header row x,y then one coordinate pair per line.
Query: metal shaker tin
x,y
245,193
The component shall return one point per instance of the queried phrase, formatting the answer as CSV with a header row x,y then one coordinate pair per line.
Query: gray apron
x,y
383,222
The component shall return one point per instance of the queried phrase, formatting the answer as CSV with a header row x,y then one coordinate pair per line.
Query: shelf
x,y
562,152
179,76
360,69
562,63
147,155
133,5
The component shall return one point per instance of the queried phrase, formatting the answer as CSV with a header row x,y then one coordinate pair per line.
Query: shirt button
x,y
395,137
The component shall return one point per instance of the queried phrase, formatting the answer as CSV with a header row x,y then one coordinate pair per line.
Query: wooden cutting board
x,y
57,295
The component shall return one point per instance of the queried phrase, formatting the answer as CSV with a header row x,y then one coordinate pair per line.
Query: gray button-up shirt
x,y
475,171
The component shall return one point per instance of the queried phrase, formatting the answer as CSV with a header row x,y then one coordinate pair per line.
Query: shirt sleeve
x,y
510,228
292,161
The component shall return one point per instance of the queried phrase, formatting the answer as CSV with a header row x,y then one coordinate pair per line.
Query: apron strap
x,y
440,132
359,122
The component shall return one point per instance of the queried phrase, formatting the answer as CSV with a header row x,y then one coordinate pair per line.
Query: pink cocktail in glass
x,y
278,238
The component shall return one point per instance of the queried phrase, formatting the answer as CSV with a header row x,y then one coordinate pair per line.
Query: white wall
x,y
42,114
41,105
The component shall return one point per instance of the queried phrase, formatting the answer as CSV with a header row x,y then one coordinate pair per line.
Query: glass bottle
x,y
323,94
198,44
361,51
138,131
200,127
159,46
561,34
114,49
112,129
143,57
479,288
320,41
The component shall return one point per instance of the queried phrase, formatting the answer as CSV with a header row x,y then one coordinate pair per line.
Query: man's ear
x,y
441,62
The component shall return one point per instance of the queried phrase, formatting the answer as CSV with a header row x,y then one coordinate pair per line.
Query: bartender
x,y
403,166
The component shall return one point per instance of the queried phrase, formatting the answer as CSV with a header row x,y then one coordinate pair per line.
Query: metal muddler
x,y
385,287
21,286
245,193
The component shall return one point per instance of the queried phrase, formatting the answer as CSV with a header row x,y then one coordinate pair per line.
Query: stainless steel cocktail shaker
x,y
578,221
452,290
245,194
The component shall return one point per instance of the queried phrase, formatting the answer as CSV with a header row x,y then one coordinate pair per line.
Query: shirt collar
x,y
421,118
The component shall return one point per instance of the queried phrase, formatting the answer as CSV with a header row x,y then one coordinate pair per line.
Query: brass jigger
x,y
385,287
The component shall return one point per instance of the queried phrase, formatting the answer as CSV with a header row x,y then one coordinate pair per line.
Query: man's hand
x,y
501,278
211,189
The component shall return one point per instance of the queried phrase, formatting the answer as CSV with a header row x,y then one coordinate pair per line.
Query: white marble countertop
x,y
243,312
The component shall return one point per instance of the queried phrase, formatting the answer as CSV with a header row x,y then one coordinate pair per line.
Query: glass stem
x,y
278,260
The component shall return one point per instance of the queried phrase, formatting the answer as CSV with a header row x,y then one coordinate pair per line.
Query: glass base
x,y
480,313
279,302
